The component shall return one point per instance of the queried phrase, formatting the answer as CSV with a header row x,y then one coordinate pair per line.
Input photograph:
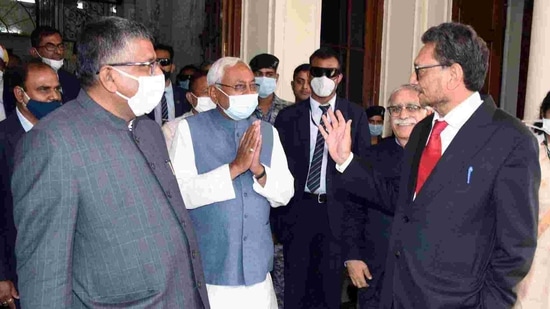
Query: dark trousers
x,y
313,265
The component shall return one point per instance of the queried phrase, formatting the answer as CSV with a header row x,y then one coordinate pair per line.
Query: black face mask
x,y
167,75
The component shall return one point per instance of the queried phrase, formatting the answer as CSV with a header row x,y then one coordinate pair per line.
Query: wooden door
x,y
488,18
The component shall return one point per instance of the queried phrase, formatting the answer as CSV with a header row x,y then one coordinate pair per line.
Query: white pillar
x,y
538,76
288,29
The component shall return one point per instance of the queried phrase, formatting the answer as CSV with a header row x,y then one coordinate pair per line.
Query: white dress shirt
x,y
27,125
314,120
169,94
455,119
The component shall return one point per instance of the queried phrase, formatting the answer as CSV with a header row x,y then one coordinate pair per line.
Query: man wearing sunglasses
x,y
47,44
173,104
310,226
99,216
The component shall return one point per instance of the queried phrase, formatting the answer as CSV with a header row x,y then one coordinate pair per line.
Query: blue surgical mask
x,y
40,109
376,129
241,106
267,86
184,84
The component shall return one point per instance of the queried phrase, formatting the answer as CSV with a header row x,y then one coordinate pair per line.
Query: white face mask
x,y
322,86
241,106
55,64
149,93
267,86
546,124
203,104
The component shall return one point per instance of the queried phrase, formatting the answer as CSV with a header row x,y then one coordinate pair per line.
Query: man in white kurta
x,y
231,170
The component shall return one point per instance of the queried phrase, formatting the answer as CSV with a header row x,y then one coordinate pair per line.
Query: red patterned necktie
x,y
430,155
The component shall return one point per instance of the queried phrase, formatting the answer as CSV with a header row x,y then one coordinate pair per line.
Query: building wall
x,y
288,29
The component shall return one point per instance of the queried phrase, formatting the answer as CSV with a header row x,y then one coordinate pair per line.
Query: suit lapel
x,y
461,150
415,146
303,126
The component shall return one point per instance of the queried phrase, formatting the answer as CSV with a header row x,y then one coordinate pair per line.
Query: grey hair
x,y
105,41
410,87
217,70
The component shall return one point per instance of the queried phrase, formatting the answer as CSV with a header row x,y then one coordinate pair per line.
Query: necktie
x,y
430,155
164,105
314,175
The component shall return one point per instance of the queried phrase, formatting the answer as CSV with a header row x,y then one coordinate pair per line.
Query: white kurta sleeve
x,y
197,190
279,185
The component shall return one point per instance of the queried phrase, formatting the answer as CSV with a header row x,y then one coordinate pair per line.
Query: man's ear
x,y
34,52
277,77
339,79
190,98
19,94
107,78
213,94
172,68
456,76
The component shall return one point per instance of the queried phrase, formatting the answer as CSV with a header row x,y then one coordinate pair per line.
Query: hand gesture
x,y
256,167
358,272
337,136
246,150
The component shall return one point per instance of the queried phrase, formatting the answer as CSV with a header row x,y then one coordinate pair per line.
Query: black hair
x,y
300,68
324,53
41,31
167,48
459,43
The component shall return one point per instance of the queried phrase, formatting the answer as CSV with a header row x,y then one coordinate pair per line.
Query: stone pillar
x,y
288,29
538,76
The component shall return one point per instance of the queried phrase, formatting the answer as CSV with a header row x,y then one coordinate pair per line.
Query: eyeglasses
x,y
164,61
396,109
151,64
418,68
240,88
52,47
328,72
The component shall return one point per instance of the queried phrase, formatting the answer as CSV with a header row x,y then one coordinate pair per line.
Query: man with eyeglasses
x,y
173,103
231,170
99,216
368,228
47,45
310,226
264,67
37,91
466,206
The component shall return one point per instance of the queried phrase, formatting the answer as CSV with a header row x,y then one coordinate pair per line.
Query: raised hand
x,y
246,151
256,167
337,136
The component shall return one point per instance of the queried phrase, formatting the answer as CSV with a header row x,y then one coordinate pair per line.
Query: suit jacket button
x,y
199,284
152,166
193,254
136,139
168,194
406,219
397,254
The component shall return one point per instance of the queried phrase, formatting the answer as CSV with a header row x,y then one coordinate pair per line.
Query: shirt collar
x,y
462,112
27,125
315,105
168,89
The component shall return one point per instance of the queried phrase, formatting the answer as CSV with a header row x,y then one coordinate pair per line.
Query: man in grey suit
x,y
100,220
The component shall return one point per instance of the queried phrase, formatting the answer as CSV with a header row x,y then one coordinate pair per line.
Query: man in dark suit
x,y
99,216
310,227
173,104
47,45
465,225
38,91
367,229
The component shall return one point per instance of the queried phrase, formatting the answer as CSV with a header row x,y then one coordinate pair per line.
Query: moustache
x,y
404,122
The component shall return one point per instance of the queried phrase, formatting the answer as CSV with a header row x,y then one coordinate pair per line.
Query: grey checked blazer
x,y
100,220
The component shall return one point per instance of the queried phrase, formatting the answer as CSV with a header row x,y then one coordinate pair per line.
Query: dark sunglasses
x,y
184,77
328,72
164,61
